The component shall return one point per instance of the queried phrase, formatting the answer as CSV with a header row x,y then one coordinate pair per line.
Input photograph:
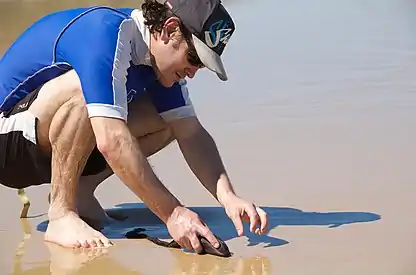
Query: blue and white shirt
x,y
109,50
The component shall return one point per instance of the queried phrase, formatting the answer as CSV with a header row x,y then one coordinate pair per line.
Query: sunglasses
x,y
192,54
193,57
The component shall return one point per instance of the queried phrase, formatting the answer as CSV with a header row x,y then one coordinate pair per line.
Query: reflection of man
x,y
188,264
77,261
82,261
88,92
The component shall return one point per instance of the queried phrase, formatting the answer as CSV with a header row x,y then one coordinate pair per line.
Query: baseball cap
x,y
211,27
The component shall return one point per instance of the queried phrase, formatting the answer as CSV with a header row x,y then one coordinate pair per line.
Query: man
x,y
94,91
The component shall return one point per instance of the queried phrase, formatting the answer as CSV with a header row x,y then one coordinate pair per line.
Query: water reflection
x,y
190,264
63,261
67,261
27,234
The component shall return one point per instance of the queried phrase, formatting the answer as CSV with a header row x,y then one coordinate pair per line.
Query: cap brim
x,y
210,58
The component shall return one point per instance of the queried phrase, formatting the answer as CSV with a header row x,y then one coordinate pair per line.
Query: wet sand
x,y
316,124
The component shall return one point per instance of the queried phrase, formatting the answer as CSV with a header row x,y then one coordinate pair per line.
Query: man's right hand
x,y
185,226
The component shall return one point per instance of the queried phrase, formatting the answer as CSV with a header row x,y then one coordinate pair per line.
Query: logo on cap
x,y
219,32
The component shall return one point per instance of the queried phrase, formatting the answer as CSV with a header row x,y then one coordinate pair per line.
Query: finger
x,y
205,232
238,223
264,220
185,243
254,218
195,243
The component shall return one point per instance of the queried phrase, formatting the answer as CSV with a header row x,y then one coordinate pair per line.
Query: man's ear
x,y
170,29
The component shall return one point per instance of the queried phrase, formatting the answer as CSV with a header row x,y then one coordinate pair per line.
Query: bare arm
x,y
201,154
123,154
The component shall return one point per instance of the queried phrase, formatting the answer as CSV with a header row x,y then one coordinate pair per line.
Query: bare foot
x,y
91,211
71,231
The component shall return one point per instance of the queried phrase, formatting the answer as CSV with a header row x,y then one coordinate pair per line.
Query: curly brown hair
x,y
156,14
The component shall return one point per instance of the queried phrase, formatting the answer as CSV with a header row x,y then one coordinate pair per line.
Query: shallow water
x,y
317,124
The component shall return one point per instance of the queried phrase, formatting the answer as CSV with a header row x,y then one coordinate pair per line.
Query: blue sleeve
x,y
97,46
170,102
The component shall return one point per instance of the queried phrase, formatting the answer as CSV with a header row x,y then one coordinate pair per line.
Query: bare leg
x,y
152,133
64,131
89,209
71,140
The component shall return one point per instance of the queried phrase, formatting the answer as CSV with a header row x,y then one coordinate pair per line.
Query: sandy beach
x,y
316,125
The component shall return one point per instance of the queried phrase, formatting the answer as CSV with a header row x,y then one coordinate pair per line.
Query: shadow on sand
x,y
138,215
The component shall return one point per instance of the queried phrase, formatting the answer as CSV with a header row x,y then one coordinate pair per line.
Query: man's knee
x,y
154,142
149,128
57,100
143,118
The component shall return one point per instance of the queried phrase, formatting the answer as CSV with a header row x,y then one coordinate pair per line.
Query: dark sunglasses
x,y
192,55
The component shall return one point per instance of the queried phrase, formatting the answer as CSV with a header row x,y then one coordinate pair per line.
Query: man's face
x,y
174,57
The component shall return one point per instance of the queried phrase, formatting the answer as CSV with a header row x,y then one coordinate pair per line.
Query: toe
x,y
106,242
84,243
99,242
92,243
77,245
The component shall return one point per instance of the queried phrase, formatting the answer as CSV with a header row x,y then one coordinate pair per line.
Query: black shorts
x,y
22,163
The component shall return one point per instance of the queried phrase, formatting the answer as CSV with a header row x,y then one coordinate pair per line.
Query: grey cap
x,y
211,28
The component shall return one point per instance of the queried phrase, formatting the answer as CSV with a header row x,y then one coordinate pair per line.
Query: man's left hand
x,y
239,211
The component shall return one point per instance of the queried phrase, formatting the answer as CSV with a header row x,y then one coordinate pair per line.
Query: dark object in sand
x,y
207,247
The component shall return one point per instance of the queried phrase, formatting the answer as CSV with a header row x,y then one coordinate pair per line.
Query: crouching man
x,y
89,92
